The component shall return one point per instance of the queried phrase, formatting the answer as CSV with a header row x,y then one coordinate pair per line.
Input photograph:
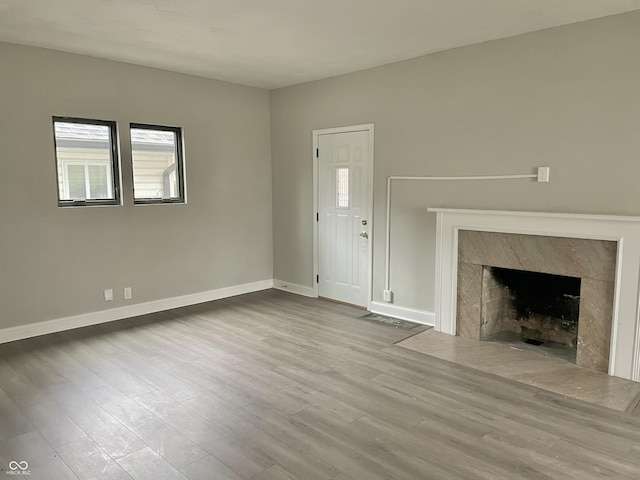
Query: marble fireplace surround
x,y
624,351
593,261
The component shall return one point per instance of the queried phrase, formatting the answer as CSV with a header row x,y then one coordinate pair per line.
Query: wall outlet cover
x,y
108,295
127,293
387,295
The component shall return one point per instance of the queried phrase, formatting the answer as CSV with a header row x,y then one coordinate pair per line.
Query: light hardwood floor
x,y
274,386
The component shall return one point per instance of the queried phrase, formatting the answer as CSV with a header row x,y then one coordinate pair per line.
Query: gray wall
x,y
55,262
566,97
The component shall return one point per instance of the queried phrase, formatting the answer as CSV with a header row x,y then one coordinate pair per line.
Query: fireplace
x,y
519,260
539,309
602,251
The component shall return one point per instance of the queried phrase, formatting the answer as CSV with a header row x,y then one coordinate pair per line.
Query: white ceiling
x,y
275,43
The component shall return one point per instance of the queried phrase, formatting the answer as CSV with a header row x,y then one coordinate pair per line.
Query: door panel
x,y
343,207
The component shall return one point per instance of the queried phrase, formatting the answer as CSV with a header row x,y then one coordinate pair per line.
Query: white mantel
x,y
624,359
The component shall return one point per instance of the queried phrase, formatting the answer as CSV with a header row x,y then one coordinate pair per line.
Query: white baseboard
x,y
403,313
293,288
103,316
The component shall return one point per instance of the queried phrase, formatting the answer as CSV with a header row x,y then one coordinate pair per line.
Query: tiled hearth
x,y
592,261
522,364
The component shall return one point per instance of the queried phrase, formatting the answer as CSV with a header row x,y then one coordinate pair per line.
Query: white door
x,y
344,234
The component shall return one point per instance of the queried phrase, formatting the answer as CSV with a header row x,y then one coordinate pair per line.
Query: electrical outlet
x,y
108,295
127,293
387,295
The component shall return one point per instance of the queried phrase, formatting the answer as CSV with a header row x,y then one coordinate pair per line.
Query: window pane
x,y
98,187
172,187
84,155
156,163
75,178
342,187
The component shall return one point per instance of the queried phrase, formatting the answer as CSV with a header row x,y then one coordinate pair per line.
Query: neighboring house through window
x,y
87,162
88,167
158,168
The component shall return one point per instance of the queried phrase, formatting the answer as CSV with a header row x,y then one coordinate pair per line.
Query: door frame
x,y
367,127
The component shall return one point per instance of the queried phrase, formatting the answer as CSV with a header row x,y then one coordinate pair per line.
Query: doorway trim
x,y
367,127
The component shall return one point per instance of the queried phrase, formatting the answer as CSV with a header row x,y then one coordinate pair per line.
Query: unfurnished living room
x,y
355,240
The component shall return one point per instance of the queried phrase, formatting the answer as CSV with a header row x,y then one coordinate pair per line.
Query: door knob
x,y
364,234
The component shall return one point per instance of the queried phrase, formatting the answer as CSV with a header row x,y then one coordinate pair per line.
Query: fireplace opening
x,y
537,309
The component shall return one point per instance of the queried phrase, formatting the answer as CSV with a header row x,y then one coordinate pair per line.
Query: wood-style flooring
x,y
274,386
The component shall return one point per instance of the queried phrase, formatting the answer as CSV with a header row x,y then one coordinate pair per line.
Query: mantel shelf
x,y
509,213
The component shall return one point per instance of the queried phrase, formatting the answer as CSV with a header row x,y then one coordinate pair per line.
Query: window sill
x,y
160,201
89,203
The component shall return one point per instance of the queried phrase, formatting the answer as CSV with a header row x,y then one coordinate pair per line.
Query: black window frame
x,y
115,163
179,165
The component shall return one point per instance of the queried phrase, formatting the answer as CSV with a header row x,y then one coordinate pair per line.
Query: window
x,y
87,162
342,187
158,168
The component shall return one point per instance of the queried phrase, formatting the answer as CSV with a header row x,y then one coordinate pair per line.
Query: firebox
x,y
532,307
